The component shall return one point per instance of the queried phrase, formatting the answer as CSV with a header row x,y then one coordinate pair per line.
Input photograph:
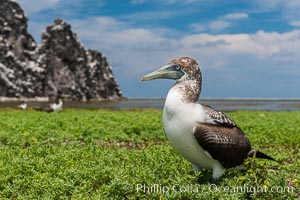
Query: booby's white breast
x,y
179,119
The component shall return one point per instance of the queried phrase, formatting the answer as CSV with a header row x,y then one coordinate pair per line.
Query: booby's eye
x,y
177,67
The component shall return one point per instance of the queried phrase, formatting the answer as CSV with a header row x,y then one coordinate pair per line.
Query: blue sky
x,y
245,48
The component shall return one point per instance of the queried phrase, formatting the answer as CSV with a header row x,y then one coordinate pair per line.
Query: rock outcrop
x,y
60,63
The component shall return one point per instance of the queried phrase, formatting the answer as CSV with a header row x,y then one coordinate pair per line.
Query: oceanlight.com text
x,y
176,188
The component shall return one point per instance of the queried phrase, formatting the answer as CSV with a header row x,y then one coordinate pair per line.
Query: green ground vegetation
x,y
104,154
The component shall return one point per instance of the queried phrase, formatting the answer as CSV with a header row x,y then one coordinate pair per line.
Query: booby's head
x,y
179,69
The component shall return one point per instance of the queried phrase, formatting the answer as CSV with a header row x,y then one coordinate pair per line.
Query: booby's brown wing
x,y
217,117
222,139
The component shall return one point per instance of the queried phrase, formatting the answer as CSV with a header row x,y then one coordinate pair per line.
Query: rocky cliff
x,y
60,63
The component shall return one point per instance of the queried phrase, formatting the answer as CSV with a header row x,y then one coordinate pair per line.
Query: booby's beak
x,y
165,72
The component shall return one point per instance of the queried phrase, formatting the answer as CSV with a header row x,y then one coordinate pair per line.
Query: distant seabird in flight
x,y
23,105
204,136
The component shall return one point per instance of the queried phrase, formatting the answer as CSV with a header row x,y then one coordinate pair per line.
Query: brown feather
x,y
229,145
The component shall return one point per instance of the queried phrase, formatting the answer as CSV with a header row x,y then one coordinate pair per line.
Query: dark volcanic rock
x,y
60,63
77,72
18,71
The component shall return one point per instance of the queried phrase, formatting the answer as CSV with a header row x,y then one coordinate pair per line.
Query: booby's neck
x,y
188,90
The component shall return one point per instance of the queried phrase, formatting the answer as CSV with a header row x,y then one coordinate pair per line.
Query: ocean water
x,y
139,103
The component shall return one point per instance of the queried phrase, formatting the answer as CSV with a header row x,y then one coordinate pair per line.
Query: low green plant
x,y
103,154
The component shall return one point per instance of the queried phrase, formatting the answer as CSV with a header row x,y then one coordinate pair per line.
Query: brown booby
x,y
204,136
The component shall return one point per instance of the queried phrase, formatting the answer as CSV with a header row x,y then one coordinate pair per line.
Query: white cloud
x,y
269,4
259,44
152,15
218,25
294,23
137,1
291,10
180,1
288,8
235,16
214,26
99,24
195,27
37,6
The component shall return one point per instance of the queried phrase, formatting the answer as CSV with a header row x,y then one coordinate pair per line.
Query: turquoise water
x,y
220,104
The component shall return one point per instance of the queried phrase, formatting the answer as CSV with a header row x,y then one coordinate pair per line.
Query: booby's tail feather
x,y
258,154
